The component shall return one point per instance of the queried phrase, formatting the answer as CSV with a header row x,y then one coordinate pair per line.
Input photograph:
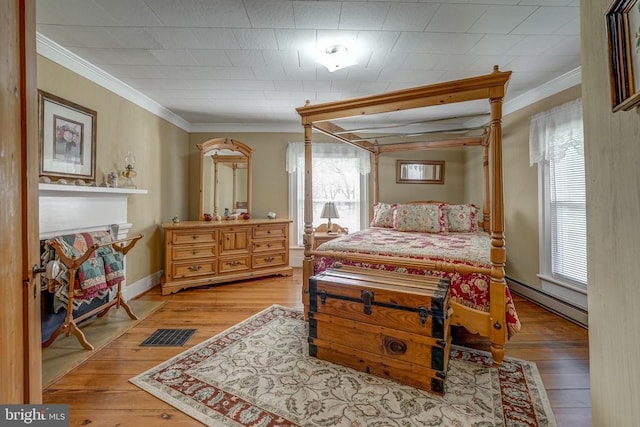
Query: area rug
x,y
259,373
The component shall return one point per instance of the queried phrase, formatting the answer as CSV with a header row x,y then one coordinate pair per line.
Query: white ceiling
x,y
250,63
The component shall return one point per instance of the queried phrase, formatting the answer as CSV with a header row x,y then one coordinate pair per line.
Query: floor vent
x,y
168,338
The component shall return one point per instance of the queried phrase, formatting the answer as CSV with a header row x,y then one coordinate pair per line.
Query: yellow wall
x,y
161,159
612,153
451,191
520,188
270,181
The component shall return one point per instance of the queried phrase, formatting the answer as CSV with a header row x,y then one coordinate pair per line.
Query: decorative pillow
x,y
462,218
428,218
383,215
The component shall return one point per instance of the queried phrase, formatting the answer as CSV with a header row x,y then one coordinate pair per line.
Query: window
x,y
340,175
557,146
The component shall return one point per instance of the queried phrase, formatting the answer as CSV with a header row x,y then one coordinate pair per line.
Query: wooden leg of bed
x,y
307,271
497,351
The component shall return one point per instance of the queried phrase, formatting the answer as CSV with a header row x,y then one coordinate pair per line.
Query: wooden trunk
x,y
391,325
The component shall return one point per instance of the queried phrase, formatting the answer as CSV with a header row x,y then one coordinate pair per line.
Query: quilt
x,y
469,289
96,277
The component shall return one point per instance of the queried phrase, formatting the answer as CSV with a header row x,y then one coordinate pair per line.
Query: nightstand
x,y
321,234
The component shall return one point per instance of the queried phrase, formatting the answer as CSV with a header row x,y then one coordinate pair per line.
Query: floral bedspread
x,y
470,289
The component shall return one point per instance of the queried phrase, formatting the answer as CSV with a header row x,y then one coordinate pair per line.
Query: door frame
x,y
21,361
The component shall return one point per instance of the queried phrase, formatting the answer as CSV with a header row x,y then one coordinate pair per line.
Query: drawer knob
x,y
269,259
195,267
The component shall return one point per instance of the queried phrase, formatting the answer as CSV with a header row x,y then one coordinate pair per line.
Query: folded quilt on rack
x,y
95,278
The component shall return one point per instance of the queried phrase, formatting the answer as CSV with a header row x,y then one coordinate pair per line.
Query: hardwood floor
x,y
99,392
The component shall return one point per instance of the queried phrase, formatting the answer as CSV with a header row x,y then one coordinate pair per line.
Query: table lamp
x,y
329,211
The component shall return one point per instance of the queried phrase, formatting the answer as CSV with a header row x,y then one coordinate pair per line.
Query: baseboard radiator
x,y
570,312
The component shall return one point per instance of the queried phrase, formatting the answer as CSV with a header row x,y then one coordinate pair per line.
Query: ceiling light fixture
x,y
335,58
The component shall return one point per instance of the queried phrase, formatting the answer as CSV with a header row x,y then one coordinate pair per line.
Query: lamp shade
x,y
329,211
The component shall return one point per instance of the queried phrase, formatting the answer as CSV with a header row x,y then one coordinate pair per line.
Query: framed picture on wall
x,y
623,31
67,138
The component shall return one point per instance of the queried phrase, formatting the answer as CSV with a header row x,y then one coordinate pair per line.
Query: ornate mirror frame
x,y
230,152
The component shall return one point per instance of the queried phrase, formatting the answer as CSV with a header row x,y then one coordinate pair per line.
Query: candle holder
x,y
129,173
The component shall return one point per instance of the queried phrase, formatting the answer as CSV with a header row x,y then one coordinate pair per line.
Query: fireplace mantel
x,y
60,189
66,209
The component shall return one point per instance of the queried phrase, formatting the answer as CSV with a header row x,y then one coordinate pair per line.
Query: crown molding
x,y
56,53
284,127
545,90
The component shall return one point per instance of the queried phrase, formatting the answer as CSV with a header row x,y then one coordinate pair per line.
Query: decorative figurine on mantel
x,y
111,179
129,173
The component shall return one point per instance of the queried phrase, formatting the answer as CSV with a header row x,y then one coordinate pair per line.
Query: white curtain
x,y
554,131
295,153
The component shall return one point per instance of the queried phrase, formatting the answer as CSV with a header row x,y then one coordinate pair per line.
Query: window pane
x,y
335,179
568,217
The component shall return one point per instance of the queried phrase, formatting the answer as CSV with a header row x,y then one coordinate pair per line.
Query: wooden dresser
x,y
200,253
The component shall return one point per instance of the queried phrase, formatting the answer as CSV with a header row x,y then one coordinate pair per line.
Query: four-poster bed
x,y
496,321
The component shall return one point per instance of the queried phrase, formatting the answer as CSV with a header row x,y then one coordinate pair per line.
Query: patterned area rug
x,y
258,373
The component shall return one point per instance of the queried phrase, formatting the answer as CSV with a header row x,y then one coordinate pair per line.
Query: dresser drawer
x,y
194,236
182,252
270,231
184,270
268,245
268,260
233,264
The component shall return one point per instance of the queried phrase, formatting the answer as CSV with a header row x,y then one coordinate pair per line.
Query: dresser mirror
x,y
225,177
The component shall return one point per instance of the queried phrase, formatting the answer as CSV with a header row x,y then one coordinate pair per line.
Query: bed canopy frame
x,y
490,87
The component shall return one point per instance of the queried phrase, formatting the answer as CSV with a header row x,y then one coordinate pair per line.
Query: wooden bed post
x,y
307,262
498,324
486,208
376,179
215,195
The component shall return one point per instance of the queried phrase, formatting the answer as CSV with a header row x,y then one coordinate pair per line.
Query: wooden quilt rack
x,y
70,325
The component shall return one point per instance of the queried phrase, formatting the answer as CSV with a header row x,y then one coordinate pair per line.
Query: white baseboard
x,y
143,285
561,308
